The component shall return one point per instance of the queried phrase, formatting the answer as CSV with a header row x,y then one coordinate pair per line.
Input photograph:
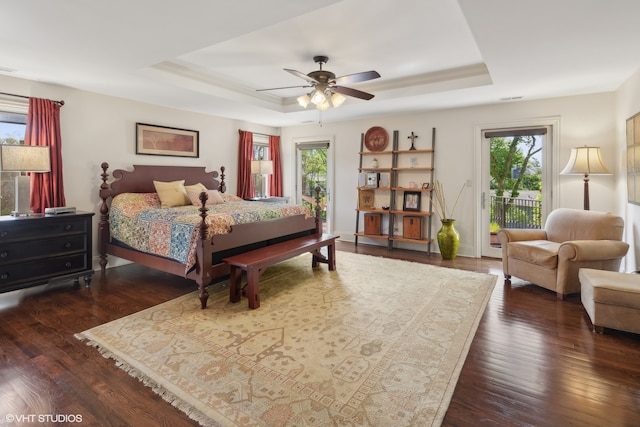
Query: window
x,y
13,126
260,152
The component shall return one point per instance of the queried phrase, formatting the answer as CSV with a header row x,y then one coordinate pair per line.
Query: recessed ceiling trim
x,y
218,86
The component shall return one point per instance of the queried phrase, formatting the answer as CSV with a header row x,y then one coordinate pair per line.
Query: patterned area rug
x,y
379,342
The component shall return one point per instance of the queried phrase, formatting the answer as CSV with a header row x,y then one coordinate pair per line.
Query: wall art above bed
x,y
166,141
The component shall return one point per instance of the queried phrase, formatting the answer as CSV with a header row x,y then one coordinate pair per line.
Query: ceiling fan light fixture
x,y
337,99
318,97
304,100
324,106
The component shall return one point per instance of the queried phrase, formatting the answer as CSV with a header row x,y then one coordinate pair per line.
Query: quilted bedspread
x,y
138,221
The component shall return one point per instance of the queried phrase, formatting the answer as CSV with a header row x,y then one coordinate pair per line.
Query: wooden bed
x,y
210,250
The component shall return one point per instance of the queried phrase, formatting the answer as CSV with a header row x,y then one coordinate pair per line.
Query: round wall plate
x,y
376,139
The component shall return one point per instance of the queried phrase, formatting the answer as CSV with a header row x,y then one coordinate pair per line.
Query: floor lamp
x,y
585,161
262,168
24,158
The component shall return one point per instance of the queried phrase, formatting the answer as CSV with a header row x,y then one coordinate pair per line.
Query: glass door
x,y
515,191
312,170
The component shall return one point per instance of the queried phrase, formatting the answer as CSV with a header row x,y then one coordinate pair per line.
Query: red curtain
x,y
43,129
275,184
245,155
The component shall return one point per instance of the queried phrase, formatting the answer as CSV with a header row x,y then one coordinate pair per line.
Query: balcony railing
x,y
513,212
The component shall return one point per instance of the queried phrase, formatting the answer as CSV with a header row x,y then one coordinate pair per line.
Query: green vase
x,y
448,239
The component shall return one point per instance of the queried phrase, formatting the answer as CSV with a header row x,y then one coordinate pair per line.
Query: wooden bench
x,y
255,262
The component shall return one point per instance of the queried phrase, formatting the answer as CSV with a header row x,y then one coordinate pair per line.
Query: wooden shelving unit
x,y
403,166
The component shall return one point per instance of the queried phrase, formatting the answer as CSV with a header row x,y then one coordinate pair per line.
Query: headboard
x,y
140,179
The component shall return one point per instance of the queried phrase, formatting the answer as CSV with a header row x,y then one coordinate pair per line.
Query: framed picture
x,y
425,185
166,141
633,159
366,199
411,201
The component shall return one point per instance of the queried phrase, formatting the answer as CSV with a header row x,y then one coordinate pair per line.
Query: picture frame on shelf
x,y
425,185
366,199
166,141
411,201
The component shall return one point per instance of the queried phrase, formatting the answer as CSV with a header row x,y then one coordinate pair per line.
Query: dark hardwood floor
x,y
534,360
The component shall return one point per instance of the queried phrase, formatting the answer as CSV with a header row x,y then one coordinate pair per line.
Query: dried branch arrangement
x,y
439,201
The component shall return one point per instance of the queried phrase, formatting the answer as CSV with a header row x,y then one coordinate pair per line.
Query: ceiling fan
x,y
327,88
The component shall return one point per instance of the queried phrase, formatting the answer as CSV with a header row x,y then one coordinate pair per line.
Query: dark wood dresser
x,y
37,249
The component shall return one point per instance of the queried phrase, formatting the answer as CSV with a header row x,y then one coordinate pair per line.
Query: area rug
x,y
378,342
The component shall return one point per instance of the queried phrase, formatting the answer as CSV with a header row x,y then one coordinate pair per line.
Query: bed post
x,y
202,261
318,211
103,225
223,186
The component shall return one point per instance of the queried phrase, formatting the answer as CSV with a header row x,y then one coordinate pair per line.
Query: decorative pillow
x,y
197,187
171,193
214,197
231,198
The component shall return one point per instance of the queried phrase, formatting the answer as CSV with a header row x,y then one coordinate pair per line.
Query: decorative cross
x,y
412,137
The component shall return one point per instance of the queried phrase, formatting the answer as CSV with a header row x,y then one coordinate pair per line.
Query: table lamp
x,y
24,158
262,168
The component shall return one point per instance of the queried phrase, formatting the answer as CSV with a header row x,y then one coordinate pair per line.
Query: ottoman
x,y
611,299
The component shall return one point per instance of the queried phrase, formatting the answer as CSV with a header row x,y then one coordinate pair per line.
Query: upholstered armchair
x,y
571,239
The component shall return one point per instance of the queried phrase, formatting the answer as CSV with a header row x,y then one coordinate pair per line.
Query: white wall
x,y
97,128
584,120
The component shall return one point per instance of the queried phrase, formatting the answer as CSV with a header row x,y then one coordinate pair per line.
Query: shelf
x,y
374,210
373,236
410,189
426,150
362,153
402,239
399,178
411,213
375,188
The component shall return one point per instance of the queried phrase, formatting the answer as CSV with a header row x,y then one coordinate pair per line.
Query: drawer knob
x,y
67,227
4,254
4,276
67,264
4,233
67,245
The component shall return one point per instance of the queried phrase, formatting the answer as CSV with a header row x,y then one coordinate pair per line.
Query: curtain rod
x,y
257,133
61,103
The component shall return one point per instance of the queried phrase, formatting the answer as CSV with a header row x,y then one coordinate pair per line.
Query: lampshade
x,y
261,167
585,161
337,99
24,158
304,100
318,97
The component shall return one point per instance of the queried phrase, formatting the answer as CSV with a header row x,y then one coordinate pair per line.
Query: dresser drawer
x,y
23,251
24,230
40,271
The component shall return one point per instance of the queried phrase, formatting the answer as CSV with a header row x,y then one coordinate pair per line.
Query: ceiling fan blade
x,y
352,92
357,77
301,75
285,87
